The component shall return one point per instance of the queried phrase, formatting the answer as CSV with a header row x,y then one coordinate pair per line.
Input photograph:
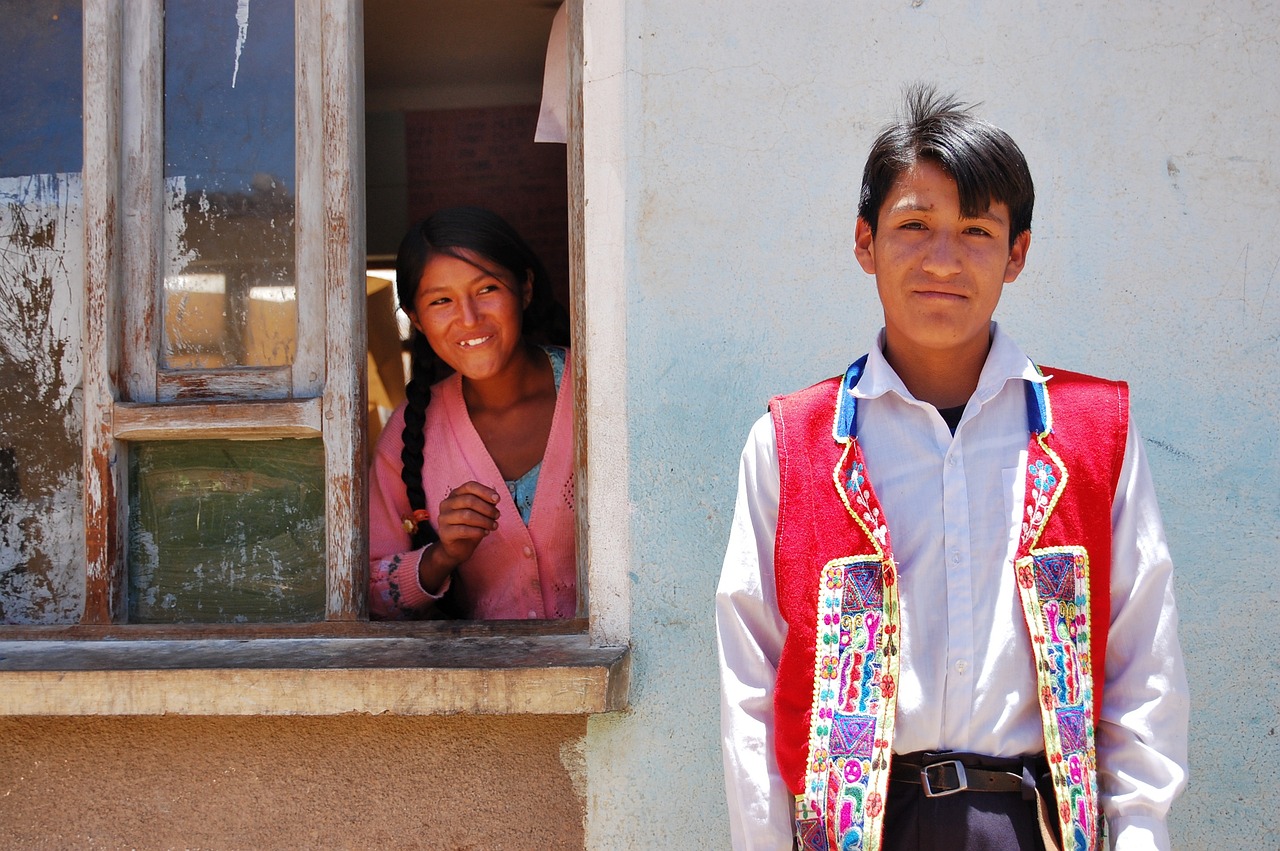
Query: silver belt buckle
x,y
931,774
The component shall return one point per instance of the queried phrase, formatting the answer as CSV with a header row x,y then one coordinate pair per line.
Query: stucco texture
x,y
1151,132
268,783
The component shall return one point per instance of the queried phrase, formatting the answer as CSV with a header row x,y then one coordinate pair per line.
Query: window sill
x,y
432,674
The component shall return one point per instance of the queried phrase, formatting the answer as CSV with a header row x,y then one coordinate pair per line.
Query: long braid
x,y
418,396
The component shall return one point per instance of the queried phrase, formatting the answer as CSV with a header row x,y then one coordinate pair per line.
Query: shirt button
x,y
532,613
528,552
962,666
511,488
955,557
951,460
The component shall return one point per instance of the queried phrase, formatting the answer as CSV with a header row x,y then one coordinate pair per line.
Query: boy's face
x,y
939,274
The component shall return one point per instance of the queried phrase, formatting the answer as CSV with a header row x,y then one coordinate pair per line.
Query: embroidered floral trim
x,y
858,498
1046,479
855,681
854,687
1053,587
857,654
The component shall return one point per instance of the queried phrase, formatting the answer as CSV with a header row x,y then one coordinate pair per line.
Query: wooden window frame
x,y
344,663
127,396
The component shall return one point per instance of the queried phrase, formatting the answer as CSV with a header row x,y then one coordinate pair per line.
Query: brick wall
x,y
487,156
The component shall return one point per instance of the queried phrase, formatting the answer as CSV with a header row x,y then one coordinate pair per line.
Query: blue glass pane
x,y
230,202
40,101
229,93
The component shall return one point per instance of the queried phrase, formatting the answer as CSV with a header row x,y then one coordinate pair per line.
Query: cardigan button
x,y
528,552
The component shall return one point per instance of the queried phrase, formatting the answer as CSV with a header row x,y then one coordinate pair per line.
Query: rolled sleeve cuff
x,y
396,591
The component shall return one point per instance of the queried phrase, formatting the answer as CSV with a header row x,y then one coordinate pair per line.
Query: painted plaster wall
x,y
286,783
1151,131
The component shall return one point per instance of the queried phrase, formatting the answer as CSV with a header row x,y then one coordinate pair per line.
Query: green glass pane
x,y
224,531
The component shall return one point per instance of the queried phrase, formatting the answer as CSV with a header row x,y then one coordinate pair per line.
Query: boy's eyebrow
x,y
909,205
988,215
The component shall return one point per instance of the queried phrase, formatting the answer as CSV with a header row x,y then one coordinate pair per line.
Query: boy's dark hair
x,y
984,161
454,231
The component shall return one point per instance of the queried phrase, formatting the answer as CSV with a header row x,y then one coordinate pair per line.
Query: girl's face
x,y
470,312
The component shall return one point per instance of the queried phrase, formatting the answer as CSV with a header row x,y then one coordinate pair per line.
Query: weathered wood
x,y
409,676
342,41
232,383
321,629
141,173
104,581
308,363
221,420
141,170
577,302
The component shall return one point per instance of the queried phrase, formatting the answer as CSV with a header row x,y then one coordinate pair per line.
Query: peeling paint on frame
x,y
41,514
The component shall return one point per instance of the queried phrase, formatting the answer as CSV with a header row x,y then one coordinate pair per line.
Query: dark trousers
x,y
969,820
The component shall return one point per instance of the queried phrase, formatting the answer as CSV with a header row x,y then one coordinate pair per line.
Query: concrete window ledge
x,y
432,675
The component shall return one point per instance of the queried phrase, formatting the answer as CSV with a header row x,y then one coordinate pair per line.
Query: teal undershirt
x,y
523,488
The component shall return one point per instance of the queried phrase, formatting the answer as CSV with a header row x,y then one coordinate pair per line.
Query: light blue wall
x,y
1152,134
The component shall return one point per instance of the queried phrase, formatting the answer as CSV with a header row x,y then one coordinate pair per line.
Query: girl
x,y
471,494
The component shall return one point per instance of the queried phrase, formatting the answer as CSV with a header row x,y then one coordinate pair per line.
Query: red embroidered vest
x,y
837,590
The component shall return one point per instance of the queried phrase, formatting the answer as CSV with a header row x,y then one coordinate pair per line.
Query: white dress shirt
x,y
967,676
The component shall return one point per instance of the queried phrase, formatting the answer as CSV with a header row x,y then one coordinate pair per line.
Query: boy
x,y
946,616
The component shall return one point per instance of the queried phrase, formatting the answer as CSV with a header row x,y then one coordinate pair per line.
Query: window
x,y
225,314
223,323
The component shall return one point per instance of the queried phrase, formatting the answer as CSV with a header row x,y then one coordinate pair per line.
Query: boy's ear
x,y
864,246
526,292
1017,256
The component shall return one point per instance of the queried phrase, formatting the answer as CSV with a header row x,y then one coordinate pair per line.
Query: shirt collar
x,y
1005,361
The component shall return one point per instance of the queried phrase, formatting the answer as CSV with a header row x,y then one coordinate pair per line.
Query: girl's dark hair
x,y
454,232
984,161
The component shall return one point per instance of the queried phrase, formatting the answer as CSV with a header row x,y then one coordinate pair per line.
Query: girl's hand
x,y
466,516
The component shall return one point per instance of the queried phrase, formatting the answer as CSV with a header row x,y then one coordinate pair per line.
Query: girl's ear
x,y
526,292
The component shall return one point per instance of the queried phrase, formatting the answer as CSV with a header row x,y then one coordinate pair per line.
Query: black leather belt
x,y
940,774
951,776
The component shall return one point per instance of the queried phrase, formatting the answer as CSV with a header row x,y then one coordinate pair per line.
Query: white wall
x,y
1151,130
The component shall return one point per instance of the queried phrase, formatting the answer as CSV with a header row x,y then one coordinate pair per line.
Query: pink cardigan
x,y
517,571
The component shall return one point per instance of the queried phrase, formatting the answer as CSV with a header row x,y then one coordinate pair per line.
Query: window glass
x,y
40,100
224,531
230,192
41,238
